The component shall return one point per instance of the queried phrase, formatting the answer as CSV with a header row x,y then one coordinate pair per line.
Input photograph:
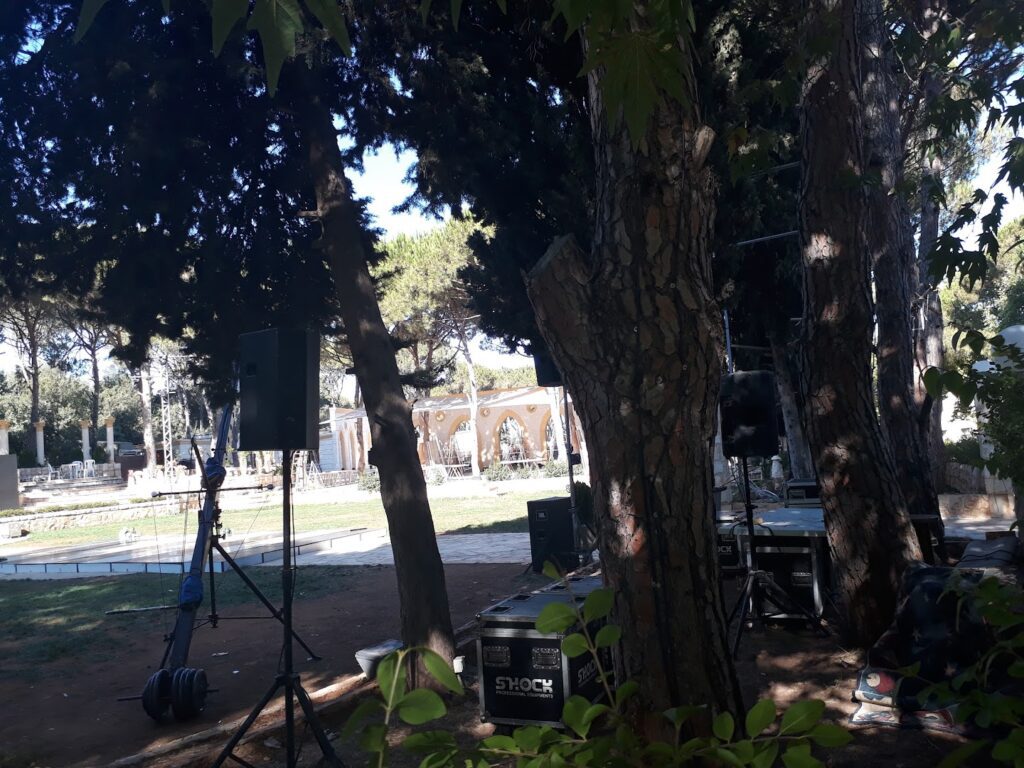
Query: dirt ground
x,y
73,719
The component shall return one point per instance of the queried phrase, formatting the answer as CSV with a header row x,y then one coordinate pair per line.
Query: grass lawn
x,y
47,621
476,514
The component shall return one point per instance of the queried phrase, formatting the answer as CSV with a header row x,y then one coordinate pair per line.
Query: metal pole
x,y
728,342
568,450
766,238
286,587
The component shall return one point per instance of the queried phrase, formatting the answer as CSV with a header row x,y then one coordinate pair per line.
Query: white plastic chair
x,y
89,469
77,468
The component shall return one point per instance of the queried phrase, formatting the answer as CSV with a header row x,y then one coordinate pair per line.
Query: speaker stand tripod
x,y
759,584
286,679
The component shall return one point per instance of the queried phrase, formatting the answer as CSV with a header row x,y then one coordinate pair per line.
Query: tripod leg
x,y
739,603
230,746
262,598
314,724
744,606
213,588
780,596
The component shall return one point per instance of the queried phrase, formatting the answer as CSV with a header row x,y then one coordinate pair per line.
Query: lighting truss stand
x,y
760,584
287,678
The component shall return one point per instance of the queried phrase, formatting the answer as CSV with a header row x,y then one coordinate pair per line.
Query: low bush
x,y
497,472
966,450
555,469
368,480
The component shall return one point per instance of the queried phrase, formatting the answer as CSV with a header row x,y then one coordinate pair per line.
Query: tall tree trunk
x,y
425,617
800,464
148,439
474,400
34,371
94,409
930,323
186,414
866,516
891,244
634,328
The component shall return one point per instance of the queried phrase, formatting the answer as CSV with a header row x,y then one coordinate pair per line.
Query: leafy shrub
x,y
497,472
435,475
979,690
556,469
597,735
368,480
966,450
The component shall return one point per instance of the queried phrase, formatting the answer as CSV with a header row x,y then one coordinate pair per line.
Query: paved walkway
x,y
362,547
375,549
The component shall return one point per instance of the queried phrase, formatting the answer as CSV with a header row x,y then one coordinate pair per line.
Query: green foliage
x,y
555,469
457,381
597,735
981,696
999,388
423,298
966,450
496,472
368,480
644,55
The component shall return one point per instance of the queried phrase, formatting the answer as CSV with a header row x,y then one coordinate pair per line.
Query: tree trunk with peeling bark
x,y
800,464
636,333
891,244
425,616
866,517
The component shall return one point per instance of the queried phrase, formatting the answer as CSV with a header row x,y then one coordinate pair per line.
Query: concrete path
x,y
360,547
375,549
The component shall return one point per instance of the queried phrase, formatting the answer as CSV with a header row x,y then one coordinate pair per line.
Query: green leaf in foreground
x,y
420,706
86,16
830,735
760,716
574,645
801,717
555,617
440,670
226,14
723,726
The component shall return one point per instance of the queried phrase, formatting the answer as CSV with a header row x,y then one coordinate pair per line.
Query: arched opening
x,y
510,440
462,443
552,440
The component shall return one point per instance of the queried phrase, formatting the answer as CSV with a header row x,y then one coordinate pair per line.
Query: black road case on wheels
x,y
524,676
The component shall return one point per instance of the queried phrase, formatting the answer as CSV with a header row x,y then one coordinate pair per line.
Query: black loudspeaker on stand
x,y
288,426
749,428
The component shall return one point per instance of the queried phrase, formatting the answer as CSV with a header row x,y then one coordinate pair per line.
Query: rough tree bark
x,y
94,400
637,335
891,244
425,617
787,383
866,517
929,323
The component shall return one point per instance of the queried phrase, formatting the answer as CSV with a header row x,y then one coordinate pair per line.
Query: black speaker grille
x,y
749,426
279,390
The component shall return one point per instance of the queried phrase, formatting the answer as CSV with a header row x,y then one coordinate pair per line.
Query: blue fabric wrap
x,y
191,594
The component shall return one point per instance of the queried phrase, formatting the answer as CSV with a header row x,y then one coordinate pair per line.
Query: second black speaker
x,y
279,383
749,426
